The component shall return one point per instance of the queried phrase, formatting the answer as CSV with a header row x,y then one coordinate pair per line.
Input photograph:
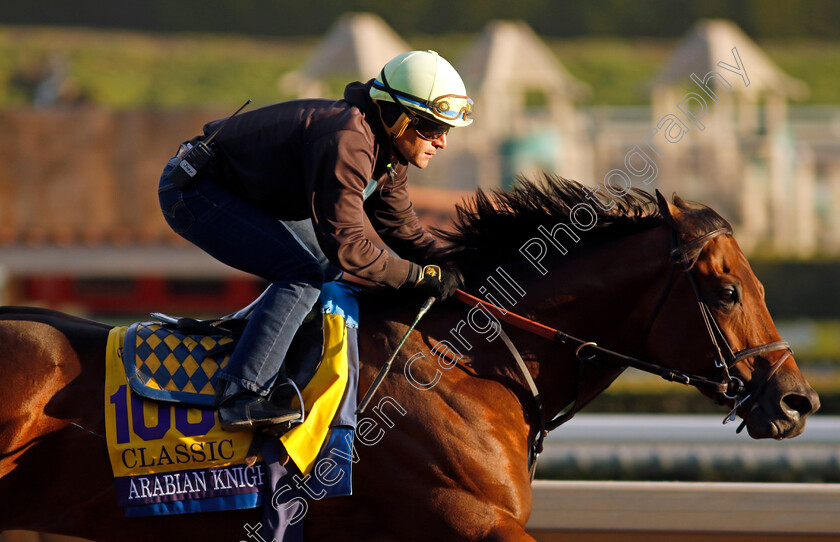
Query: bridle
x,y
730,387
725,358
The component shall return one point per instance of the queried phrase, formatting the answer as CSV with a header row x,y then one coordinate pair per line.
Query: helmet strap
x,y
395,130
399,127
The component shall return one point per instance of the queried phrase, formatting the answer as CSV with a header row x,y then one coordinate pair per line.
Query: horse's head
x,y
642,277
733,338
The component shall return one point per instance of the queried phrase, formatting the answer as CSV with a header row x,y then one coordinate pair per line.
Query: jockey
x,y
284,197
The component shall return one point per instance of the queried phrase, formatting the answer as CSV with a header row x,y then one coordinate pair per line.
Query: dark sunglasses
x,y
427,129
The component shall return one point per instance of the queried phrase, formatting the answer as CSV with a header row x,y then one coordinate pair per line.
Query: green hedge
x,y
660,18
120,69
800,289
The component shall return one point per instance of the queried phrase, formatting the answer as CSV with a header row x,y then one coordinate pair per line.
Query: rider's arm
x,y
339,167
392,215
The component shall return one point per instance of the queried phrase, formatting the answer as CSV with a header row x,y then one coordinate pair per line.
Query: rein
x,y
730,387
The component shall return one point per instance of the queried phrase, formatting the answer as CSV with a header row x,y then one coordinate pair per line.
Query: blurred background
x,y
95,96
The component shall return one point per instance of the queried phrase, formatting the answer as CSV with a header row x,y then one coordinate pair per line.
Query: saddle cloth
x,y
165,364
174,458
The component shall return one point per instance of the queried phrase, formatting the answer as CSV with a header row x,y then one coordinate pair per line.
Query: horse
x,y
566,289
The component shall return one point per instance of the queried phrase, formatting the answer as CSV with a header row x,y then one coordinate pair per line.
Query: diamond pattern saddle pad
x,y
165,364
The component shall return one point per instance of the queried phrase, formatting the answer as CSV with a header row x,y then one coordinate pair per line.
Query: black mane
x,y
499,222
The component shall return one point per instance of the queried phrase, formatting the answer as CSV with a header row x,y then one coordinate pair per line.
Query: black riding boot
x,y
244,410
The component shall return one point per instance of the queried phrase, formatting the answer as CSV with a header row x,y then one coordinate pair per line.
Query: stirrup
x,y
248,413
280,429
290,382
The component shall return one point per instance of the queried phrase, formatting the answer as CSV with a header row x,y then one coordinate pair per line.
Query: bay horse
x,y
583,287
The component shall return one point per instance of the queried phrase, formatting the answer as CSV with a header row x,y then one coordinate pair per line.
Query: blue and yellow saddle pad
x,y
165,364
174,458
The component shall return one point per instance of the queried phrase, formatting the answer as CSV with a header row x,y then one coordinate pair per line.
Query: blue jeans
x,y
249,239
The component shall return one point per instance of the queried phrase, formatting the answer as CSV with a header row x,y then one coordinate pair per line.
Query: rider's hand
x,y
437,282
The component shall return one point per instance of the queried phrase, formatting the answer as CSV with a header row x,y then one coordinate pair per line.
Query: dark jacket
x,y
313,159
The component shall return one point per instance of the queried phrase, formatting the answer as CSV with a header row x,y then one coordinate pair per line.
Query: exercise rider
x,y
283,195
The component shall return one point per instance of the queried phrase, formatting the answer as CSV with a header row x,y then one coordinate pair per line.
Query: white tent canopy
x,y
711,41
524,105
509,55
357,46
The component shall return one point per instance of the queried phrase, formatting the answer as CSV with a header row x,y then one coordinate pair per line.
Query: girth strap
x,y
538,439
522,367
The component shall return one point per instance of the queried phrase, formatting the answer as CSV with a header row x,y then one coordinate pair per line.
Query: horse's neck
x,y
605,295
605,292
601,295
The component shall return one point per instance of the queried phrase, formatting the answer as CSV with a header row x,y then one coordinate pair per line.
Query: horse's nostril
x,y
797,403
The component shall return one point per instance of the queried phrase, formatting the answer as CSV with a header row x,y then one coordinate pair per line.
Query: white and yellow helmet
x,y
424,83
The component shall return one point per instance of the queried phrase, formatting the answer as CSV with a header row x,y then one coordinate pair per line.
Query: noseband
x,y
728,386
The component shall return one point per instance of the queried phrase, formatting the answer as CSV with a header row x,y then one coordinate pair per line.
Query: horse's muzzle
x,y
782,408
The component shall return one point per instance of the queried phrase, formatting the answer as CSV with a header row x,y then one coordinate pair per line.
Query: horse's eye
x,y
728,294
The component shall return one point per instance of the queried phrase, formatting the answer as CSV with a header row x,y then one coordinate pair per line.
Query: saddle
x,y
177,360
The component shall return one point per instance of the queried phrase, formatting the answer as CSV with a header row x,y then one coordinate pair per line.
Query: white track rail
x,y
700,507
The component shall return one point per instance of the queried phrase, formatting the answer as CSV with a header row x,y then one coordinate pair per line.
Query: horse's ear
x,y
681,203
669,211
